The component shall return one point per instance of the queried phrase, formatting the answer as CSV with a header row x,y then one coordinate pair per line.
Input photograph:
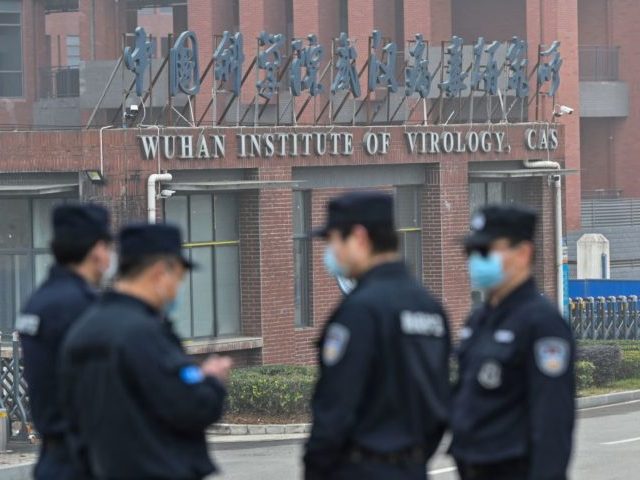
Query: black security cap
x,y
358,208
493,222
80,224
142,240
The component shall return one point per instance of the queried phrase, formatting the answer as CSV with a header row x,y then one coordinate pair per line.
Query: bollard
x,y
4,429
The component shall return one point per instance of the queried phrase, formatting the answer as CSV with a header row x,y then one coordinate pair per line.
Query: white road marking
x,y
442,470
618,442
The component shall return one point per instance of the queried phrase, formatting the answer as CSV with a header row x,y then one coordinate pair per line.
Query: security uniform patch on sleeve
x,y
422,323
335,344
552,355
191,375
28,324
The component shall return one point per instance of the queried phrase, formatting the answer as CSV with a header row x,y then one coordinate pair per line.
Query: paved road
x,y
608,448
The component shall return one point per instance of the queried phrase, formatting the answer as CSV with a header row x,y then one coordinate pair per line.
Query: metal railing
x,y
13,388
59,82
605,318
599,63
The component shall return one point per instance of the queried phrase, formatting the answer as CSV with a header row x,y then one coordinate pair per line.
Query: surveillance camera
x,y
131,111
167,193
561,110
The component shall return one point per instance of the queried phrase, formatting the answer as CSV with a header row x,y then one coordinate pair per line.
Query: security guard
x,y
82,249
513,409
141,402
381,403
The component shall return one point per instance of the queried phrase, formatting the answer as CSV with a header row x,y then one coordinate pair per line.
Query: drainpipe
x,y
152,181
556,180
102,129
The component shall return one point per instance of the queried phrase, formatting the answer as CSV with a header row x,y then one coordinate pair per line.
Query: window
x,y
25,233
10,49
302,257
73,50
409,225
209,305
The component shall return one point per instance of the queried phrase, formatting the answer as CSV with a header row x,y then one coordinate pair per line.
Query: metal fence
x,y
599,63
605,318
618,212
13,389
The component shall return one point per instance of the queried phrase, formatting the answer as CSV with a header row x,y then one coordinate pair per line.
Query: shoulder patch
x,y
28,324
335,344
552,355
422,323
191,375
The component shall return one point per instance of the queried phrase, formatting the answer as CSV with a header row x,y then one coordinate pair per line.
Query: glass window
x,y
10,49
409,225
302,257
15,229
73,50
25,234
210,301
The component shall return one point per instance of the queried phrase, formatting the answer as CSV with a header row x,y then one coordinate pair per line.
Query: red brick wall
x,y
58,26
593,21
549,20
625,138
491,19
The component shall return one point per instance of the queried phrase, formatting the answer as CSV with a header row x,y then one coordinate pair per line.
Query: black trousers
x,y
55,463
508,470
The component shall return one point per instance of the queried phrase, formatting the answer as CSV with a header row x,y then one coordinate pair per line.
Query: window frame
x,y
20,27
416,230
212,244
303,311
30,252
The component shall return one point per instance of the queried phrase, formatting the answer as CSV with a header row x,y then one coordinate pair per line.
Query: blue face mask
x,y
331,264
173,306
485,273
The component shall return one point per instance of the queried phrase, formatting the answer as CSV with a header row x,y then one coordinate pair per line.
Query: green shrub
x,y
271,390
585,372
606,358
630,365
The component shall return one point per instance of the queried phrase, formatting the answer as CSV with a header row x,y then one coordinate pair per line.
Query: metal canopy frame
x,y
520,173
13,190
231,185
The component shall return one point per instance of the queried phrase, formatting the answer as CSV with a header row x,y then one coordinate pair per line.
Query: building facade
x,y
251,174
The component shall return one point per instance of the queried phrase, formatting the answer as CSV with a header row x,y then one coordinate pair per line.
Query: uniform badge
x,y
28,324
504,336
490,375
552,356
335,344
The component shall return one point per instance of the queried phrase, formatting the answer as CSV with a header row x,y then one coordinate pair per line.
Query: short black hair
x,y
72,251
132,267
383,239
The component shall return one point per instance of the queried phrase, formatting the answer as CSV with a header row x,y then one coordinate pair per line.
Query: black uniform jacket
x,y
384,383
135,395
43,324
515,395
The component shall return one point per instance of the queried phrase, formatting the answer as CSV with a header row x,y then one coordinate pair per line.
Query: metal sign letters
x,y
138,58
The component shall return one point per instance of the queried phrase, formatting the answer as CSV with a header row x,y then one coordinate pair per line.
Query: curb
x,y
607,399
238,429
